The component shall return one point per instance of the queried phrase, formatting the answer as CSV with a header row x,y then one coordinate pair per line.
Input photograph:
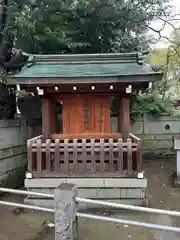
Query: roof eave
x,y
151,77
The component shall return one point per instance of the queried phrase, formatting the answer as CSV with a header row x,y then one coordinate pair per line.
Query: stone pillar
x,y
65,212
48,117
178,164
124,117
177,148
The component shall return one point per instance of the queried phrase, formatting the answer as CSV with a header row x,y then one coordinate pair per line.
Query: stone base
x,y
121,190
47,203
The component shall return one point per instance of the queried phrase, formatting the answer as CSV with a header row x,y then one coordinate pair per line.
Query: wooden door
x,y
86,114
73,116
97,115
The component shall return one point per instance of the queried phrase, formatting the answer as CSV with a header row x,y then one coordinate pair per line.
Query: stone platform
x,y
119,190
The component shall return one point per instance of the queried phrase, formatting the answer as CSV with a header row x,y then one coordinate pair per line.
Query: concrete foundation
x,y
119,190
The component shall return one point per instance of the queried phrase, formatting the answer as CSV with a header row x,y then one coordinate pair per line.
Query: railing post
x,y
29,155
129,156
65,212
138,157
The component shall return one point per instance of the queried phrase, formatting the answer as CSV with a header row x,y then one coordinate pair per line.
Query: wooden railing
x,y
83,156
86,136
138,154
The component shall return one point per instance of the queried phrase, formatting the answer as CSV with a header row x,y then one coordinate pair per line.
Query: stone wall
x,y
13,159
157,134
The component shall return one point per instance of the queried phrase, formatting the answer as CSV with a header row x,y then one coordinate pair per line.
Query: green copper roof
x,y
84,65
83,70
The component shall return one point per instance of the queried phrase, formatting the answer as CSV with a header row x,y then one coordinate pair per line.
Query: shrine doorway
x,y
86,114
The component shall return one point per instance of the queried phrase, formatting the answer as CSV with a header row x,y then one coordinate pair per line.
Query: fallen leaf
x,y
51,225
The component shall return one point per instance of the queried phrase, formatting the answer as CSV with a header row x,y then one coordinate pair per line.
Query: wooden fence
x,y
84,156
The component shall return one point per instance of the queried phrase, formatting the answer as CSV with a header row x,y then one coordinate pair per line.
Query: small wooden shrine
x,y
80,142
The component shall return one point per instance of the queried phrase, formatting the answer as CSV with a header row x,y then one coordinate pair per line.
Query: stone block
x,y
39,190
160,127
23,131
107,193
137,128
164,136
8,164
52,190
114,125
12,151
10,123
13,178
98,193
132,193
16,132
49,203
120,193
34,122
87,182
177,143
125,183
86,192
114,128
43,182
155,144
9,137
146,137
34,130
165,118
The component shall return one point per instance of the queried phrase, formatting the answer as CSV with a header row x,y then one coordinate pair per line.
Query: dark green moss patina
x,y
12,151
13,178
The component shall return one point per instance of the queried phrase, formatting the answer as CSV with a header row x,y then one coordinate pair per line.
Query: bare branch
x,y
168,22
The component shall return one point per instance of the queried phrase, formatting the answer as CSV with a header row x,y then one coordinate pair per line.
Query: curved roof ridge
x,y
85,58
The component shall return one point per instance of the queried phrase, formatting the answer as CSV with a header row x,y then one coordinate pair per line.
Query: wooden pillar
x,y
48,117
124,117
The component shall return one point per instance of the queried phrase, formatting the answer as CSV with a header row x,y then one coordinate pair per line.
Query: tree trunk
x,y
3,13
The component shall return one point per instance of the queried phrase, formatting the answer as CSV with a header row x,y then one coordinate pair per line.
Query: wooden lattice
x,y
83,156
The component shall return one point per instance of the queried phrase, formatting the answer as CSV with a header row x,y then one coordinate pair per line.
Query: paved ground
x,y
161,195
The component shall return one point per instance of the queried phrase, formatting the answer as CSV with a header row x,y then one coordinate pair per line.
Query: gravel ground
x,y
21,225
161,194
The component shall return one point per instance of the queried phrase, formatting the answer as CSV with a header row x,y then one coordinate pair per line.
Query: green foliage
x,y
88,26
169,59
148,103
161,99
85,26
158,56
114,107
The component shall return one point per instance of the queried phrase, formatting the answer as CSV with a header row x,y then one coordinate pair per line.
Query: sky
x,y
168,29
